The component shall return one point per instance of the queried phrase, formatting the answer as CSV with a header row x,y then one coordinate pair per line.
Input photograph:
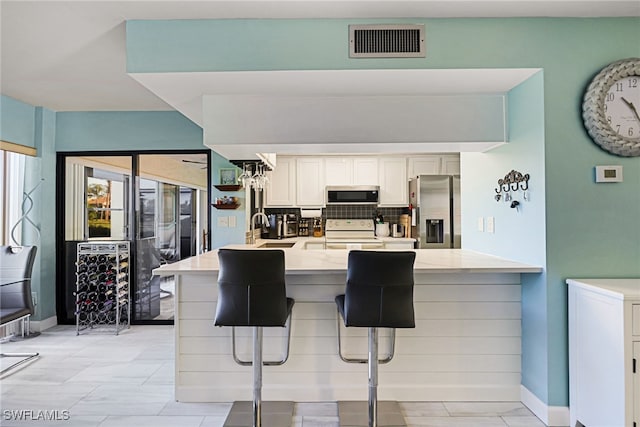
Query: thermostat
x,y
608,173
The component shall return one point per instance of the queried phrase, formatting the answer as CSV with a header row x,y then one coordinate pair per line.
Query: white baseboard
x,y
42,325
552,416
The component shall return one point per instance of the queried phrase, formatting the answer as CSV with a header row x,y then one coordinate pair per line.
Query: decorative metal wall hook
x,y
513,181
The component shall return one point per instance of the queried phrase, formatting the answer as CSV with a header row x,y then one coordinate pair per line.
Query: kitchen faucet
x,y
252,238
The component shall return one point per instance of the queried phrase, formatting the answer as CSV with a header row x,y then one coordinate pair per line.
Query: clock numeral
x,y
610,97
619,87
618,129
605,107
633,83
630,132
609,119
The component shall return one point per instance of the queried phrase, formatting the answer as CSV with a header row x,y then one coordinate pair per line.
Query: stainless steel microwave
x,y
353,195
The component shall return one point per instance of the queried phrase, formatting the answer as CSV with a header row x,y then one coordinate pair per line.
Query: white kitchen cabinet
x,y
310,187
281,187
365,171
604,343
338,171
424,165
394,187
436,164
450,164
351,170
401,245
636,381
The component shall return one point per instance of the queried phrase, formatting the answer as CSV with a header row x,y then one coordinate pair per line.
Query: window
x,y
12,170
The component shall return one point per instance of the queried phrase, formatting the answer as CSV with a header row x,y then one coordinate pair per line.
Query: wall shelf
x,y
229,187
226,205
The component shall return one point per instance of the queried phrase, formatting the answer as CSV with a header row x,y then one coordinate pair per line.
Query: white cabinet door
x,y
447,164
636,384
451,164
394,187
338,171
424,165
398,245
281,187
365,171
310,182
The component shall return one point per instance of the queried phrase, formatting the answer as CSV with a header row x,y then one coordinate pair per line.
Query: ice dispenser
x,y
434,230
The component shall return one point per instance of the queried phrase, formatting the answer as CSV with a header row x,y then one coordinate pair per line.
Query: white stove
x,y
351,234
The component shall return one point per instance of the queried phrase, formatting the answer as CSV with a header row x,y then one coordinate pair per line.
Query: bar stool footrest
x,y
274,414
355,413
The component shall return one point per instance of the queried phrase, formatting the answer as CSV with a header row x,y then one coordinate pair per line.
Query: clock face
x,y
622,107
611,108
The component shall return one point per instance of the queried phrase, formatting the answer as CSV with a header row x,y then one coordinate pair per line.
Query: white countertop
x,y
301,261
618,288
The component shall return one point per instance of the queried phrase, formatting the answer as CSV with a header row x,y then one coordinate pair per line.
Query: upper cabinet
x,y
451,164
301,181
434,164
365,171
338,171
394,187
351,171
310,187
424,165
281,187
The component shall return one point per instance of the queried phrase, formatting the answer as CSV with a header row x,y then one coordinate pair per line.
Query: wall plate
x,y
609,173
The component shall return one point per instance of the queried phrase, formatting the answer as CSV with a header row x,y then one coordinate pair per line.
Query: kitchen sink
x,y
277,245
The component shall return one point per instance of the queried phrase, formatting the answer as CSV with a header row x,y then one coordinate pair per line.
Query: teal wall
x,y
519,232
590,230
17,122
35,127
126,130
221,236
43,169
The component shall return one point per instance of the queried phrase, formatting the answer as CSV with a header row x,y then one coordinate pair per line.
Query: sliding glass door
x,y
158,202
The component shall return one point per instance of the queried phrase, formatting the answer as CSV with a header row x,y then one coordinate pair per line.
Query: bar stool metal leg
x,y
373,377
257,376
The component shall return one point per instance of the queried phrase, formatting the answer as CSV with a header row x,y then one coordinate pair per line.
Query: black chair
x,y
379,294
251,292
16,305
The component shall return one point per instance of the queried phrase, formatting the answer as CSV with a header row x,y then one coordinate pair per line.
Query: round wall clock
x,y
611,108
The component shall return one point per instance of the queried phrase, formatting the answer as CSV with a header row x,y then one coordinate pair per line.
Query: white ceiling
x,y
70,55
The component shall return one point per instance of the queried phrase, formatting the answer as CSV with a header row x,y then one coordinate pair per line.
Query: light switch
x,y
481,224
223,221
490,224
232,221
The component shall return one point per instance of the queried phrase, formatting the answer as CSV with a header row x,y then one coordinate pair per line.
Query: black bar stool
x,y
379,294
251,292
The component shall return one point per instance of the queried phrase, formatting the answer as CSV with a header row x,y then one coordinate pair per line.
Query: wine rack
x,y
102,287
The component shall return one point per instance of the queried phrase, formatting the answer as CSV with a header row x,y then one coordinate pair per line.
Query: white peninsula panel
x,y
466,344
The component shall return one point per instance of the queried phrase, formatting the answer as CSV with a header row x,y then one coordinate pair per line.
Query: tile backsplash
x,y
390,215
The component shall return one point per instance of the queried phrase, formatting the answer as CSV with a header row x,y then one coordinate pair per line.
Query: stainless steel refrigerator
x,y
435,222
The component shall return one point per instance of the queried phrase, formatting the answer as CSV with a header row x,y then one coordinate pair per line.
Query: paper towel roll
x,y
310,213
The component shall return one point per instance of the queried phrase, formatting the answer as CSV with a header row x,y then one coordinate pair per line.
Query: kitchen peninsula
x,y
466,344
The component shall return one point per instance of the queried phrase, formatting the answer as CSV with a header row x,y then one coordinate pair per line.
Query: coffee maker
x,y
289,225
274,231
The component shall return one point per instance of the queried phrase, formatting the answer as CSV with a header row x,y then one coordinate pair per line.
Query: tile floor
x,y
127,380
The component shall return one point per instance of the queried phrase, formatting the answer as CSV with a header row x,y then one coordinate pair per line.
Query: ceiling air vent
x,y
386,41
